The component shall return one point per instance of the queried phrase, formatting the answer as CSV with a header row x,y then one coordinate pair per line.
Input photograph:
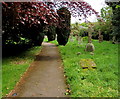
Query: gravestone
x,y
80,40
100,37
71,37
90,47
90,34
113,39
87,64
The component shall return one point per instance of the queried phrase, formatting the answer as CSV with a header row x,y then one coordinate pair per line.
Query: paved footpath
x,y
44,78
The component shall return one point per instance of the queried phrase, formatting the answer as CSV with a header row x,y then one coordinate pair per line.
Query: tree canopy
x,y
29,19
115,18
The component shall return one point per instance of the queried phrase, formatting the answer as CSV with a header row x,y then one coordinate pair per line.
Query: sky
x,y
97,5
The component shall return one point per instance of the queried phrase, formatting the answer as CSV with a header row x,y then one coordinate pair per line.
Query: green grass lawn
x,y
13,67
100,82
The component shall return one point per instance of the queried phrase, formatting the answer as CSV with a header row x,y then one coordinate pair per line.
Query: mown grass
x,y
14,66
101,82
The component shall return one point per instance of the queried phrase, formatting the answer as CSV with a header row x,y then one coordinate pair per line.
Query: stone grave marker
x,y
100,36
87,64
80,40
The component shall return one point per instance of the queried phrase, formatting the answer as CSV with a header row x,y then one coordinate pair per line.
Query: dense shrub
x,y
116,22
63,30
51,34
105,29
79,29
83,32
115,19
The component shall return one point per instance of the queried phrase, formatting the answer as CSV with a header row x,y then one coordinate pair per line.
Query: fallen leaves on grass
x,y
19,62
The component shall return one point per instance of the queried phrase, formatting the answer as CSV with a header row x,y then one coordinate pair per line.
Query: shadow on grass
x,y
14,50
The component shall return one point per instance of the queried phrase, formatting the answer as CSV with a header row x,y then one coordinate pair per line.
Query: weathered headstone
x,y
90,47
71,37
113,39
87,64
90,34
100,37
80,40
77,37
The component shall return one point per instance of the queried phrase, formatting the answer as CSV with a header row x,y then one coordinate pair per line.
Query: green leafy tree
x,y
79,29
115,20
104,24
75,28
28,19
106,14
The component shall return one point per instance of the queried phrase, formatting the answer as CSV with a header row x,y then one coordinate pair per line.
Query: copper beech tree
x,y
29,19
